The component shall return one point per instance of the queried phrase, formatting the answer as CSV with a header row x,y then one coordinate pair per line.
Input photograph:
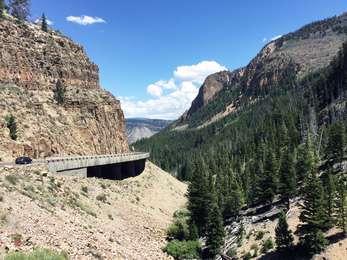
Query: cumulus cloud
x,y
170,98
85,19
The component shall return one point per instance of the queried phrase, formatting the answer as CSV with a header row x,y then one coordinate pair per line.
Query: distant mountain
x,y
139,128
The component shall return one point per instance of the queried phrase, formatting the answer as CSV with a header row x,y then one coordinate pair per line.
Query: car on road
x,y
23,160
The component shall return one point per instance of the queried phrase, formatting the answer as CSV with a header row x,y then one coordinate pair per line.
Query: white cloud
x,y
197,73
155,90
170,98
85,19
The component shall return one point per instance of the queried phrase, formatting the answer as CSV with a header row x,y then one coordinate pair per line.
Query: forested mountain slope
x,y
273,131
290,86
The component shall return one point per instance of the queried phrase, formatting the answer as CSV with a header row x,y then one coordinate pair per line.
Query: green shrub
x,y
102,197
11,124
13,179
232,252
259,235
84,189
247,256
179,230
267,245
183,249
43,254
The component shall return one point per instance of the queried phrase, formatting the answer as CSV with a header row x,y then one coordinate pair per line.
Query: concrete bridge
x,y
110,166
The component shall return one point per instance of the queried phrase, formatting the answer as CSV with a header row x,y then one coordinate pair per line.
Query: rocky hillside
x,y
88,121
293,55
87,218
139,128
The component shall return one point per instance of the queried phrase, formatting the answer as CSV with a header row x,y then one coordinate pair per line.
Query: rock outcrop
x,y
89,121
291,56
139,128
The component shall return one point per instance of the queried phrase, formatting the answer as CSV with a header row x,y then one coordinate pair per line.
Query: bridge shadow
x,y
119,171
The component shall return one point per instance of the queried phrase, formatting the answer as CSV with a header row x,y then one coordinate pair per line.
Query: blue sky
x,y
154,54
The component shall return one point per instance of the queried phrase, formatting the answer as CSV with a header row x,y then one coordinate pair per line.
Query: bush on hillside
x,y
37,254
183,249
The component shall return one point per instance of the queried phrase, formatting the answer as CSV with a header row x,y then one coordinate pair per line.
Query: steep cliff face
x,y
139,128
290,57
89,121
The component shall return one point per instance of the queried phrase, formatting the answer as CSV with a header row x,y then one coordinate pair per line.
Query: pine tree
x,y
199,196
20,9
284,237
2,8
268,182
12,126
340,203
215,231
287,176
336,144
44,25
328,181
313,215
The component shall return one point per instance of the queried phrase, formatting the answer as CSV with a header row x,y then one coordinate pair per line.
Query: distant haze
x,y
139,128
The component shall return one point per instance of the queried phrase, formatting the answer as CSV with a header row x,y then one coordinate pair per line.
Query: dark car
x,y
23,160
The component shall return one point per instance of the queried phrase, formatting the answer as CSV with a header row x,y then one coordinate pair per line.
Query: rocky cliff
x,y
89,121
292,56
139,128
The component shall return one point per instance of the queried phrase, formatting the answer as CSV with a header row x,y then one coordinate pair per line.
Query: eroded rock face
x,y
290,57
90,121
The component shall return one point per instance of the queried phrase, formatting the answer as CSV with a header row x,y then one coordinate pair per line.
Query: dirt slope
x,y
88,218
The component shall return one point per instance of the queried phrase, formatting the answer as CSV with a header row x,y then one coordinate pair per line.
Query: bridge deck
x,y
58,164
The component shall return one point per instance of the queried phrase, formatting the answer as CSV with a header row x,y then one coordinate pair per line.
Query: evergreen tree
x,y
199,196
313,215
59,92
12,126
268,182
336,144
340,203
215,231
287,176
44,25
2,8
328,181
20,9
284,237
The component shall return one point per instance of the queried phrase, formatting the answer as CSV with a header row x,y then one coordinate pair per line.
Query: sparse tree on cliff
x,y
12,126
44,25
20,9
59,92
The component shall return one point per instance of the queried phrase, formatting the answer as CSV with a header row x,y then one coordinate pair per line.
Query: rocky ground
x,y
87,218
252,241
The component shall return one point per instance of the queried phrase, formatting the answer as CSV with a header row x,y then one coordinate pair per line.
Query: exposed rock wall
x,y
90,121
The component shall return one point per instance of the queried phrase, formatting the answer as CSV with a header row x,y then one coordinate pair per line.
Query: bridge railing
x,y
86,157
